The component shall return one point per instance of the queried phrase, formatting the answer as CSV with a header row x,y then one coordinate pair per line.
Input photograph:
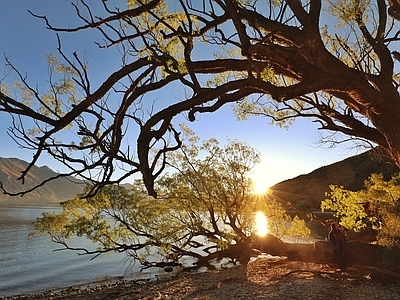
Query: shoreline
x,y
262,279
95,284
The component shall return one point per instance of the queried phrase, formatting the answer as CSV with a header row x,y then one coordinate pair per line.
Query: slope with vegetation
x,y
309,190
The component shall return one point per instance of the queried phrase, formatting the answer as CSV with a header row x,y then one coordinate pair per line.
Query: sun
x,y
261,224
260,187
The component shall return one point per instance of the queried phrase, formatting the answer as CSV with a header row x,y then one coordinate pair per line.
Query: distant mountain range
x,y
51,193
350,173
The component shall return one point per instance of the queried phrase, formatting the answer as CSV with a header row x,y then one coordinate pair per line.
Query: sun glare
x,y
261,224
260,187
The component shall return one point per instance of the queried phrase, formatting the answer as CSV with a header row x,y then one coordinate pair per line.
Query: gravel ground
x,y
260,279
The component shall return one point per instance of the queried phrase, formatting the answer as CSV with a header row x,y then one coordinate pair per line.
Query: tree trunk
x,y
321,252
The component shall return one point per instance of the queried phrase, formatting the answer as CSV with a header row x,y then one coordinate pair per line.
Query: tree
x,y
376,207
331,61
206,211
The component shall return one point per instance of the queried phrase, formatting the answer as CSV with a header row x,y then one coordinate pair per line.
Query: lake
x,y
32,265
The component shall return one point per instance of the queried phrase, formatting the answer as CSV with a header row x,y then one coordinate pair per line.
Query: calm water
x,y
31,265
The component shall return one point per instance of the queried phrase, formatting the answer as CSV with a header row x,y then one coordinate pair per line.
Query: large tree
x,y
206,211
331,61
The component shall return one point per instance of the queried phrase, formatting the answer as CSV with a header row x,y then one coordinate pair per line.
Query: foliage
x,y
298,229
205,206
347,206
334,62
377,206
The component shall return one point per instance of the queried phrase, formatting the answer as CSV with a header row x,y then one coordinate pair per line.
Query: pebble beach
x,y
260,279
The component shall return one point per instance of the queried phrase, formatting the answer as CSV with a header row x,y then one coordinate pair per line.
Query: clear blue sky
x,y
285,153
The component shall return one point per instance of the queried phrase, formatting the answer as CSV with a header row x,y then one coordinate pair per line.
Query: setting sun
x,y
260,187
262,179
261,224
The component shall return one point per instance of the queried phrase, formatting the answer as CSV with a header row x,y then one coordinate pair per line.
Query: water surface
x,y
32,265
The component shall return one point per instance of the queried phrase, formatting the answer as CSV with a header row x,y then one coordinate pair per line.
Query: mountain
x,y
51,193
349,173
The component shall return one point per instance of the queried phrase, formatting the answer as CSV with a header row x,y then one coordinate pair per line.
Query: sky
x,y
285,153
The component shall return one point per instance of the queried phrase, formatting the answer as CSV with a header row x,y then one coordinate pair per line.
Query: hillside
x,y
349,173
49,194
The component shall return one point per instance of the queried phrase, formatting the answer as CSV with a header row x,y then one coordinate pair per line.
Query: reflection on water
x,y
31,265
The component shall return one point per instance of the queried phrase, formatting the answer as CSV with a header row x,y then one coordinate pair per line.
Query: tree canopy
x,y
377,207
206,210
332,61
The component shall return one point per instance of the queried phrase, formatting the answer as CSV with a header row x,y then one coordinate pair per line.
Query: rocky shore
x,y
260,279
